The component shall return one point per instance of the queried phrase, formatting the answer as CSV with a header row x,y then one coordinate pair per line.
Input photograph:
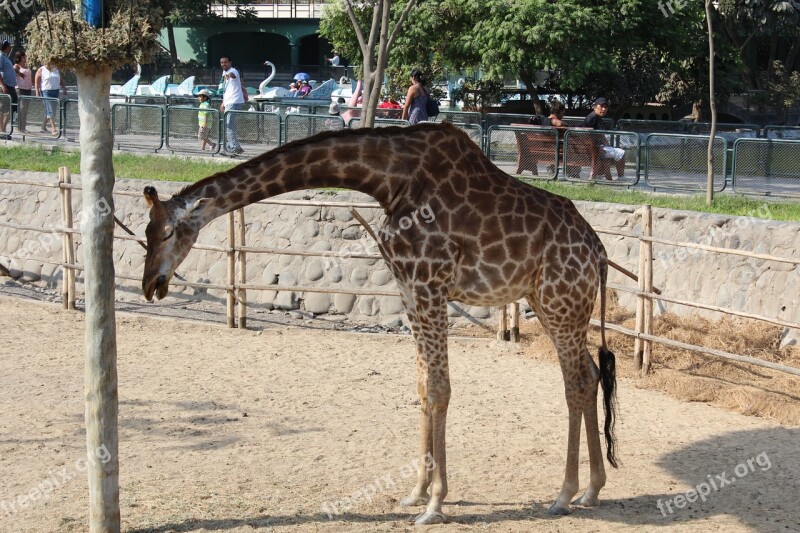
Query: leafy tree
x,y
749,22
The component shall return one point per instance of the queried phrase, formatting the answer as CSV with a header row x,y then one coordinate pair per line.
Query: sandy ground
x,y
241,430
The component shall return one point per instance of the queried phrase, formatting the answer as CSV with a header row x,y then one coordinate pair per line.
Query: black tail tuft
x,y
608,379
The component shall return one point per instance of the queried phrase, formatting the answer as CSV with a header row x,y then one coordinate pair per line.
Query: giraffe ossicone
x,y
491,240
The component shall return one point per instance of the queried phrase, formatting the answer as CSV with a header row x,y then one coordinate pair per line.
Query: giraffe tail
x,y
608,374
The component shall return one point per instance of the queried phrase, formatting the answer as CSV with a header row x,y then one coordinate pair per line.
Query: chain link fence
x,y
39,116
70,121
681,161
781,132
252,131
766,166
6,123
520,149
651,126
610,157
190,129
379,122
138,126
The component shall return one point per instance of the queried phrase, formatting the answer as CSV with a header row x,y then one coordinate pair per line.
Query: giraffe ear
x,y
199,203
150,196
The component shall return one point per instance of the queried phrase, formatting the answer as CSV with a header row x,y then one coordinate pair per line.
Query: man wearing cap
x,y
9,82
594,120
335,121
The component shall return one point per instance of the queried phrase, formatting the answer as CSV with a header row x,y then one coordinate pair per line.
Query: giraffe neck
x,y
368,161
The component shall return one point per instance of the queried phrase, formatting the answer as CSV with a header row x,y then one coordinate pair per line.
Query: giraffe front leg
x,y
428,314
419,494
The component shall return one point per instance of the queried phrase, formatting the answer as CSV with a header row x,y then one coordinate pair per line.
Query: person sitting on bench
x,y
594,120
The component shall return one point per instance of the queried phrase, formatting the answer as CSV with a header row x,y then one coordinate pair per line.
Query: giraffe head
x,y
172,230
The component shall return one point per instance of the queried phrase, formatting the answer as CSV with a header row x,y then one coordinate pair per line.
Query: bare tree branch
x,y
356,26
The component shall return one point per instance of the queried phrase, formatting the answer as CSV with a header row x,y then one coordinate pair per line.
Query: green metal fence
x,y
39,117
185,134
6,122
519,150
680,162
70,121
608,157
766,166
138,126
256,131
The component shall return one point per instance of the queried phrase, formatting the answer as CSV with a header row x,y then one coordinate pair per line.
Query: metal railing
x,y
680,162
521,149
6,119
255,131
651,126
70,121
608,156
39,117
766,166
138,126
190,129
781,132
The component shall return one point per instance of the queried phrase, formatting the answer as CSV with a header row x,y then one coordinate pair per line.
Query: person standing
x,y
233,98
24,88
415,106
47,83
594,120
204,121
9,83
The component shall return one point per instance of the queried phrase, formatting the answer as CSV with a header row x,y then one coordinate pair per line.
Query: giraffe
x,y
493,241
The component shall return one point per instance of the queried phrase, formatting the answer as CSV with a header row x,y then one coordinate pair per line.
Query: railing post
x,y
647,229
231,300
242,272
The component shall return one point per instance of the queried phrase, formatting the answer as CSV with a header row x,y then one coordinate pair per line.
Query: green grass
x,y
153,167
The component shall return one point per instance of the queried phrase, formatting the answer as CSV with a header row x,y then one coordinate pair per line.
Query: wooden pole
x,y
70,272
647,230
97,229
639,326
242,272
502,327
231,300
515,322
63,195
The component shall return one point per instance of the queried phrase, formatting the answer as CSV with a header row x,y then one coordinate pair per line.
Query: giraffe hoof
x,y
430,517
587,501
413,501
557,510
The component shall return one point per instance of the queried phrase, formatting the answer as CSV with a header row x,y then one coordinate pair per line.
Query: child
x,y
203,119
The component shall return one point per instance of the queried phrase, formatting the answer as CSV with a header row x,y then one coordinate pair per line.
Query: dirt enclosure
x,y
305,430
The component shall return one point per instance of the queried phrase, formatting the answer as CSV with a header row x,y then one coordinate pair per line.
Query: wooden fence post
x,y
502,327
231,299
62,192
69,273
647,230
242,272
515,322
639,327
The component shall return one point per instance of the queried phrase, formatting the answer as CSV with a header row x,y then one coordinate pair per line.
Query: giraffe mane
x,y
343,134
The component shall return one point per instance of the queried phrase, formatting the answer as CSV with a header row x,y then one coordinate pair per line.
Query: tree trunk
x,y
173,49
713,105
97,230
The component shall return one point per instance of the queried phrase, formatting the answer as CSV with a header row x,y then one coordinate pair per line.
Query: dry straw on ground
x,y
695,377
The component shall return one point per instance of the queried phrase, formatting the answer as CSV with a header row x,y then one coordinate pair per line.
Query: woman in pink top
x,y
24,87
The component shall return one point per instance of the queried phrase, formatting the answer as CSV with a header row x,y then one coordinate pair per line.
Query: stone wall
x,y
756,286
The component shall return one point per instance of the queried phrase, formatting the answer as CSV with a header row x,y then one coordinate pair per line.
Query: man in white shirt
x,y
233,98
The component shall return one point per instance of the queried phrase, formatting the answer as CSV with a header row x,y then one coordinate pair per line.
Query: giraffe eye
x,y
168,230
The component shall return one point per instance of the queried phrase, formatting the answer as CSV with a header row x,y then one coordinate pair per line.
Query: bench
x,y
535,146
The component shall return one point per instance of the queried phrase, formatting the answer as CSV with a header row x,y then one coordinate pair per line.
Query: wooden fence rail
x,y
237,254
